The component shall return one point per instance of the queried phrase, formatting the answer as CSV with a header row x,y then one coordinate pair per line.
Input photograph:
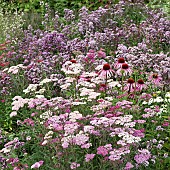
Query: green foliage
x,y
57,5
164,4
11,24
60,5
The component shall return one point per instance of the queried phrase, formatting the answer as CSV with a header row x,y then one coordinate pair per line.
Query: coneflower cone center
x,y
125,66
73,61
106,67
121,60
131,80
155,76
140,81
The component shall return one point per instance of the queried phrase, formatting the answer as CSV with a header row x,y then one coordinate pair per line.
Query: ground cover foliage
x,y
88,90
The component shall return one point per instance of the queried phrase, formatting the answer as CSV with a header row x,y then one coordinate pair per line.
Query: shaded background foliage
x,y
33,11
60,5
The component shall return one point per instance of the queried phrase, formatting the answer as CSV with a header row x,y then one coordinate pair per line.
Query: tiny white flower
x,y
44,142
14,113
5,150
167,95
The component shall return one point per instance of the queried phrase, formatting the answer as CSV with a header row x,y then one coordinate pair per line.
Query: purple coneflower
x,y
106,72
130,86
119,63
140,85
155,78
124,70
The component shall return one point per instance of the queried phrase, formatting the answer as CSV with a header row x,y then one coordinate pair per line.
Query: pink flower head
x,y
140,85
106,72
124,70
74,165
89,157
12,161
128,166
101,150
143,156
90,56
119,63
155,79
3,101
101,53
165,124
37,165
85,77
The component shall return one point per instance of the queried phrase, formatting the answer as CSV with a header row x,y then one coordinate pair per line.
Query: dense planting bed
x,y
88,91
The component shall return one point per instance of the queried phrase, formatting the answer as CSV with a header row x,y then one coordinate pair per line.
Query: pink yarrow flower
x,y
37,165
128,166
101,53
89,157
143,156
74,165
101,150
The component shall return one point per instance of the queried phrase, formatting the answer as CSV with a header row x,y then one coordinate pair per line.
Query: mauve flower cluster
x,y
5,83
7,158
44,51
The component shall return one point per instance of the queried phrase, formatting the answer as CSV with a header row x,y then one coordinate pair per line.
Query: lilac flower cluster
x,y
44,51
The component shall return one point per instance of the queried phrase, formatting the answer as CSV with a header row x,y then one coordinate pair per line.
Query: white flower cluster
x,y
163,109
158,99
30,88
121,120
167,97
128,138
89,93
102,105
44,81
14,69
155,100
33,87
86,84
18,102
67,83
46,115
72,68
85,91
78,103
48,135
73,116
112,83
